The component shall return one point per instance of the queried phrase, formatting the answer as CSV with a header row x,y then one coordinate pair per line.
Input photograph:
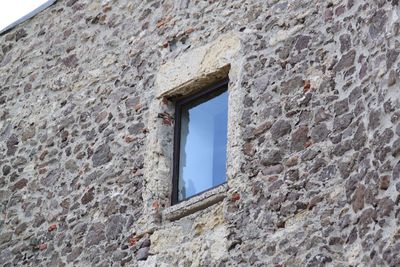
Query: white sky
x,y
12,10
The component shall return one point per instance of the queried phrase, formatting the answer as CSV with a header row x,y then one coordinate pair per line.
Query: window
x,y
200,141
178,82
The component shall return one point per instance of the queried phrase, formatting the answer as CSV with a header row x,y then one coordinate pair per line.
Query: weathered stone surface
x,y
359,137
391,56
136,128
28,133
302,42
273,169
95,235
142,253
396,148
393,77
74,254
50,178
5,237
396,171
345,42
358,198
21,228
342,122
114,226
299,138
292,85
272,157
377,25
384,182
6,169
341,107
346,61
280,129
70,61
319,259
12,144
210,59
292,175
88,196
71,166
102,155
374,119
319,133
342,147
87,120
19,184
385,206
19,34
248,149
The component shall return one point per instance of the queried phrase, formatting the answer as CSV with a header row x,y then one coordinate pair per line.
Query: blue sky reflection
x,y
203,145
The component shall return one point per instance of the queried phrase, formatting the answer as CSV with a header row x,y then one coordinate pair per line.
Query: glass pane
x,y
202,163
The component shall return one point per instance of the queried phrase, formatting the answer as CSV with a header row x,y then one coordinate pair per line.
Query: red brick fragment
x,y
52,227
163,21
43,155
164,100
190,30
272,179
308,143
133,240
155,205
167,121
235,197
138,107
129,138
307,86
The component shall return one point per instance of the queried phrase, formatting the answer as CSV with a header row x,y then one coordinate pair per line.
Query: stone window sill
x,y
196,203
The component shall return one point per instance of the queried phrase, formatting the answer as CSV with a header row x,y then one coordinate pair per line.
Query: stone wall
x,y
318,132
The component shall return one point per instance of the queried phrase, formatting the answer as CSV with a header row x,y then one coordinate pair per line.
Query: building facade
x,y
87,99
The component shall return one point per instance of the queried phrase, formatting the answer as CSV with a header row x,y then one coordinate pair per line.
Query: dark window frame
x,y
221,86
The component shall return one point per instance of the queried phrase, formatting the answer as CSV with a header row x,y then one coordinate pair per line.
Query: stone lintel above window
x,y
198,68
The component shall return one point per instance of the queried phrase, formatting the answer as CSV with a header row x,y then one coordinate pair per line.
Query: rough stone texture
x,y
314,162
207,63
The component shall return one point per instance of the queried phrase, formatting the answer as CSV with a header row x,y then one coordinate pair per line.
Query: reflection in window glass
x,y
203,138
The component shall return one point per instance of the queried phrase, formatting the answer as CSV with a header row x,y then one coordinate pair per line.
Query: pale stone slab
x,y
196,203
198,67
